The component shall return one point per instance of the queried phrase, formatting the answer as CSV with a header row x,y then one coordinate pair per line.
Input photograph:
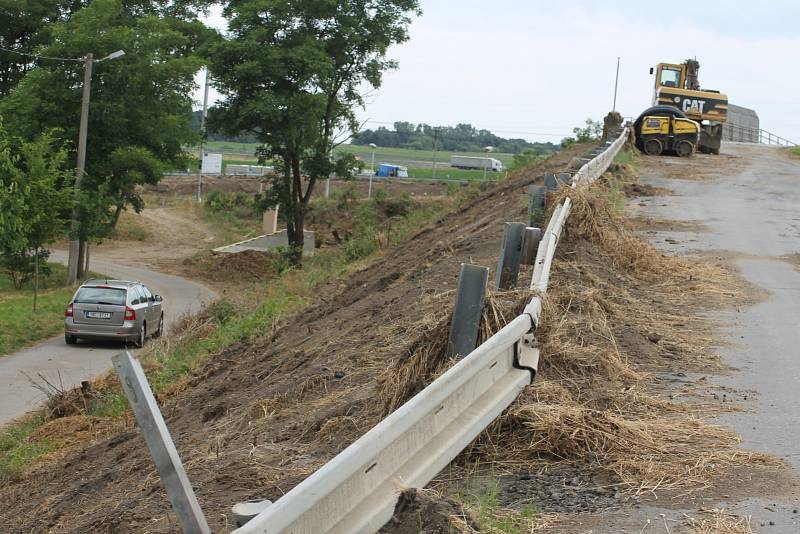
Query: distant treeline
x,y
460,138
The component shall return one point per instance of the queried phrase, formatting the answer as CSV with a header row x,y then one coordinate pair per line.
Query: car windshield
x,y
101,295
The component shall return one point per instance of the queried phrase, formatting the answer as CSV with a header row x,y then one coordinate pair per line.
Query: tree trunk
x,y
294,228
86,260
117,213
35,277
81,254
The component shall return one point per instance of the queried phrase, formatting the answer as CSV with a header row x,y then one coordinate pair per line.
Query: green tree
x,y
33,200
292,73
24,26
140,110
587,134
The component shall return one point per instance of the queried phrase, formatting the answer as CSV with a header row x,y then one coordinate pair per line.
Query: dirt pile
x,y
260,416
425,512
243,267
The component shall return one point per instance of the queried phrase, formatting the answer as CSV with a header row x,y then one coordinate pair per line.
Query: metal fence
x,y
745,134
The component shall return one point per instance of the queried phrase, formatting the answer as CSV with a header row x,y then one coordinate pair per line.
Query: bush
x,y
241,204
392,206
19,266
360,246
283,260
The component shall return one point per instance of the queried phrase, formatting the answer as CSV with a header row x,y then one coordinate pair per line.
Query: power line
x,y
37,56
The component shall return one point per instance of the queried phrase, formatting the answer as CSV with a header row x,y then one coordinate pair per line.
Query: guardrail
x,y
357,490
746,134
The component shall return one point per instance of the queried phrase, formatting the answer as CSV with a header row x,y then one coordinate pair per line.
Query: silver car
x,y
113,309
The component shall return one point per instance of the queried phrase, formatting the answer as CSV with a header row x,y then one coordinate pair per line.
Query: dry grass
x,y
718,521
425,359
618,312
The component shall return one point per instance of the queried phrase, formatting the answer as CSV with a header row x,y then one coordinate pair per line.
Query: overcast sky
x,y
536,69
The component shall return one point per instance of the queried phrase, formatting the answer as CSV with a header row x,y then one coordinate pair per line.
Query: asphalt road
x,y
752,216
66,366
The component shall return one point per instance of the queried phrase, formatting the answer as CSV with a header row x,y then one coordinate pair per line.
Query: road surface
x,y
66,365
751,212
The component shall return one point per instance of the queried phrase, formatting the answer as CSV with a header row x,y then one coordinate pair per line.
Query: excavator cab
x,y
669,75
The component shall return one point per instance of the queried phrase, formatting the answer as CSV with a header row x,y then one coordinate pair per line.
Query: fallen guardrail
x,y
357,490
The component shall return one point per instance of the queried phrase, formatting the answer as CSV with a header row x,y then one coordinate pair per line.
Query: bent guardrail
x,y
357,490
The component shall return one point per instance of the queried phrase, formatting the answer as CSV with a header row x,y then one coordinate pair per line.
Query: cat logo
x,y
694,106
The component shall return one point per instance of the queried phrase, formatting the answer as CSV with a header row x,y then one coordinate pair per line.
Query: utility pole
x,y
74,243
616,82
435,138
202,140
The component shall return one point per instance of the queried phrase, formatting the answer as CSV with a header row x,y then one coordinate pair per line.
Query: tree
x,y
32,201
140,111
291,74
589,133
24,26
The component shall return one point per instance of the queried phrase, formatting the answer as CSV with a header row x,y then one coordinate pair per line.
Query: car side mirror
x,y
158,298
651,70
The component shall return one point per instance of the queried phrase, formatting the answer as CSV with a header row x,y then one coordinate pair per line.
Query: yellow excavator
x,y
677,94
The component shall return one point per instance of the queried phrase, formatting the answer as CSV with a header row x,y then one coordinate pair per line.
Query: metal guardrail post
x,y
537,195
530,242
550,182
510,253
162,449
465,324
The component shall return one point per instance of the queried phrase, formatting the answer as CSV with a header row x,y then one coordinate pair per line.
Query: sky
x,y
536,69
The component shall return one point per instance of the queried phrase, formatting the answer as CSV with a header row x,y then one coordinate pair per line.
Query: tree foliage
x,y
459,138
33,201
140,104
291,73
586,134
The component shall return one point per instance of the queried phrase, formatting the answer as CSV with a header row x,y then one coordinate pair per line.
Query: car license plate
x,y
98,315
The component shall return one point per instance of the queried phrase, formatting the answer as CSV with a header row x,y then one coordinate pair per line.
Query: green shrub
x,y
392,206
242,204
360,246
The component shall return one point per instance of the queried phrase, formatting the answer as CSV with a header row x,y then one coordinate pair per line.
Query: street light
x,y
74,244
373,146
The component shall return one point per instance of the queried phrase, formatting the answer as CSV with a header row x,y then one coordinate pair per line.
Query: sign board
x,y
212,163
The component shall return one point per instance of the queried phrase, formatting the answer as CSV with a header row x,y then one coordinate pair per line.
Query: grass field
x,y
400,156
20,326
449,173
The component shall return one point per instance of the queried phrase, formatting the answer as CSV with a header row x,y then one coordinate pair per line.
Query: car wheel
x,y
160,330
69,339
142,336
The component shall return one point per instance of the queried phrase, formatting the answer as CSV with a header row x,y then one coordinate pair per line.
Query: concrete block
x,y
269,221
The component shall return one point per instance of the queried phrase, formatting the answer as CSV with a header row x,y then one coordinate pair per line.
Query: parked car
x,y
113,309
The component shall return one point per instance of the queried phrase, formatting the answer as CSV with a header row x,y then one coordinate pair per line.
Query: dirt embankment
x,y
262,416
612,417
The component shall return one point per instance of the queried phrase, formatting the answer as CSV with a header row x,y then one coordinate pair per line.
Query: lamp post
x,y
373,146
74,243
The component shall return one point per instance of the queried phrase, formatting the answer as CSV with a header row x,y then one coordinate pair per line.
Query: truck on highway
x,y
471,162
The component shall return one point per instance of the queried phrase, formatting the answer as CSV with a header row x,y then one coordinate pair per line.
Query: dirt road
x,y
745,206
66,365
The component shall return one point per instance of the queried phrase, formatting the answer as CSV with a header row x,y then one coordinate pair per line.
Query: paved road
x,y
753,215
65,365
